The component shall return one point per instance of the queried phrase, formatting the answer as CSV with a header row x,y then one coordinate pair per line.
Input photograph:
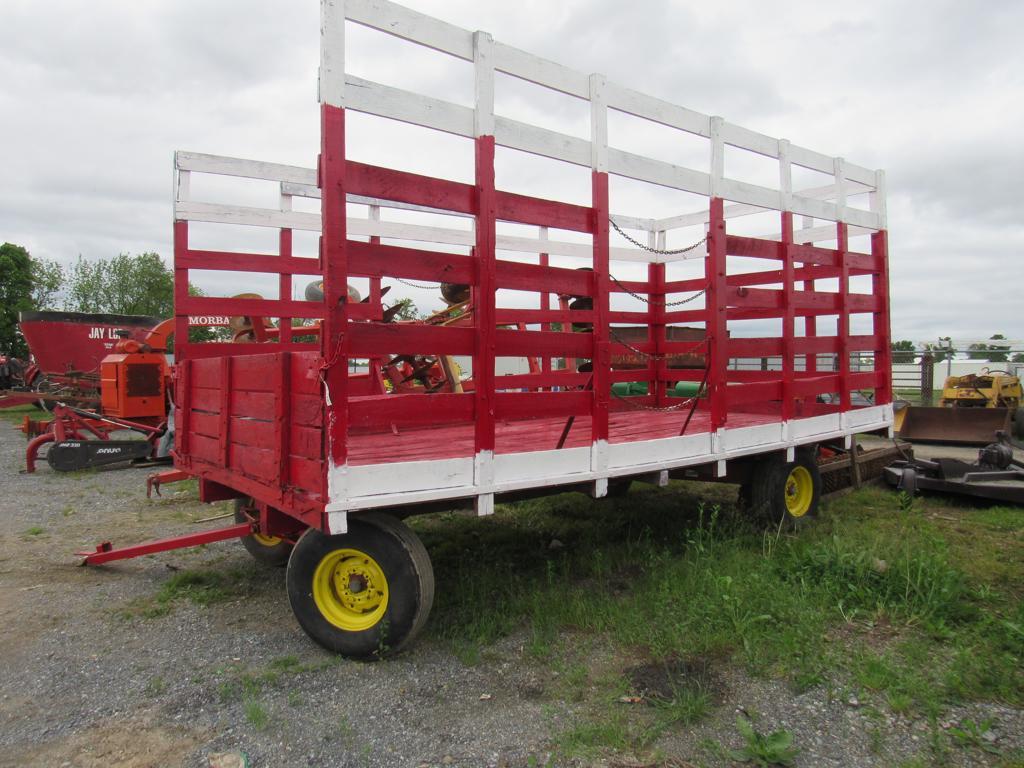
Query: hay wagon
x,y
634,334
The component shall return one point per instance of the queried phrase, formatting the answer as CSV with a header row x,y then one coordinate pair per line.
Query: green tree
x,y
998,353
943,350
1018,357
977,351
47,283
15,296
124,285
903,351
408,311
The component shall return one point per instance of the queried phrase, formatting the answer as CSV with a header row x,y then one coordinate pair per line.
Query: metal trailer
x,y
324,464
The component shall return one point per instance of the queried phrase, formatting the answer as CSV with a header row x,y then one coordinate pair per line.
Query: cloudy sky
x,y
95,98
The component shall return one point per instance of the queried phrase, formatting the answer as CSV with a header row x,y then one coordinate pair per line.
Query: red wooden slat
x,y
541,212
401,186
510,343
880,317
376,260
534,277
753,392
715,270
760,347
402,410
753,247
376,339
248,262
531,405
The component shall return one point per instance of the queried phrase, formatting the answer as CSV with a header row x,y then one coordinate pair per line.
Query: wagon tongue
x,y
72,455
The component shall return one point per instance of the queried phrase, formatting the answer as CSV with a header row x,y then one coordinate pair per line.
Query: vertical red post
x,y
716,325
602,353
843,248
656,333
180,290
284,291
880,317
282,418
484,296
334,263
545,304
788,317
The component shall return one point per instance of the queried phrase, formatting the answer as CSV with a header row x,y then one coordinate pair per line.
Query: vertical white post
x,y
840,173
785,176
483,68
876,199
331,81
717,157
599,164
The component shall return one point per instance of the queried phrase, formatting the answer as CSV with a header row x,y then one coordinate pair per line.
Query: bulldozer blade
x,y
953,426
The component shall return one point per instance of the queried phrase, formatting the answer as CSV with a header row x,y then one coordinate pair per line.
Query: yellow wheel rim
x,y
350,590
267,541
799,491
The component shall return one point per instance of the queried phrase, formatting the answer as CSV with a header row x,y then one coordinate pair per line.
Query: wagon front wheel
x,y
365,593
266,549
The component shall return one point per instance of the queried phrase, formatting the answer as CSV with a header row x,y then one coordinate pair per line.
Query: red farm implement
x,y
574,350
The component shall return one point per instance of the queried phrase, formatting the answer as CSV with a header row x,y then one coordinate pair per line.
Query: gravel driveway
x,y
97,672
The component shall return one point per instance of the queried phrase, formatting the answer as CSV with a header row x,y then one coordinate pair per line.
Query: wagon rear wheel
x,y
364,594
784,492
269,550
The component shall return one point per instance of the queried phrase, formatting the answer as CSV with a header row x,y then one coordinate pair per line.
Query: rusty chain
x,y
658,251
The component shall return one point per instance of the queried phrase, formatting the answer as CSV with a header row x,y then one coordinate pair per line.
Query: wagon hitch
x,y
105,552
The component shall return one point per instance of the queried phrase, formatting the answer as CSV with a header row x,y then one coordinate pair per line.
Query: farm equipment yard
x,y
648,483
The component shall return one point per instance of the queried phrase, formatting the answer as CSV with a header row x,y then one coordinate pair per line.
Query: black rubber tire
x,y
1018,424
406,566
273,554
765,494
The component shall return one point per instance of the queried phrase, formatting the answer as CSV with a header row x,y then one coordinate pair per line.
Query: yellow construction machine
x,y
973,408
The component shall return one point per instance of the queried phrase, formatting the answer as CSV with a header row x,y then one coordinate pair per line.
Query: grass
x,y
202,587
35,530
913,605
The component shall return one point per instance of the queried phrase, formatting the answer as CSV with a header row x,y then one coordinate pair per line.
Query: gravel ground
x,y
82,685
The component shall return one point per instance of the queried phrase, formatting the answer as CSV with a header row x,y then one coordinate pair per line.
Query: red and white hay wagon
x,y
326,462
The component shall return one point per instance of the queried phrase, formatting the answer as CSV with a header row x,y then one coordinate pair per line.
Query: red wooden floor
x,y
456,440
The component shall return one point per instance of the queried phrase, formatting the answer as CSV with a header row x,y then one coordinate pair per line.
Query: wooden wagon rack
x,y
291,424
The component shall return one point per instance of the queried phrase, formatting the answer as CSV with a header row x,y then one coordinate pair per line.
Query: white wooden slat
x,y
249,169
819,209
664,174
736,210
751,194
331,79
860,174
743,138
808,158
656,110
864,218
817,234
215,213
408,107
633,222
534,69
540,141
411,25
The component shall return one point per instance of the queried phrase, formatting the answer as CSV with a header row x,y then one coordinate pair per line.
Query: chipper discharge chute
x,y
974,407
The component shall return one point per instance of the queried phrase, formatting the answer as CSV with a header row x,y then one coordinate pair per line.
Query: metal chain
x,y
642,407
648,248
411,284
648,355
647,300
